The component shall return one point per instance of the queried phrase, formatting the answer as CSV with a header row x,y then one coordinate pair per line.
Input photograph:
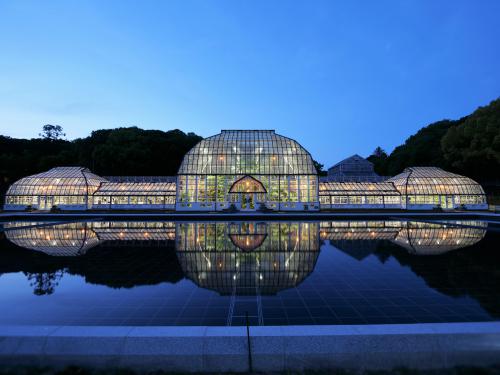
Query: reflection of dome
x,y
247,242
70,239
433,239
358,238
74,239
209,257
248,237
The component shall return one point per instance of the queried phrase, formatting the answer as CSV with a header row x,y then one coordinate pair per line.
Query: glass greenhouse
x,y
431,187
65,187
338,195
249,169
135,195
353,169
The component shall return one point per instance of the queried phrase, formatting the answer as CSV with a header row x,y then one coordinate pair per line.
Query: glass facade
x,y
135,195
431,187
338,195
279,173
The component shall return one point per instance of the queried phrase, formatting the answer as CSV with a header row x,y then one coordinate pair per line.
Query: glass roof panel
x,y
242,152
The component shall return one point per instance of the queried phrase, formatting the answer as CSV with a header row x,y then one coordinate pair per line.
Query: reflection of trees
x,y
44,283
472,272
113,266
455,267
127,267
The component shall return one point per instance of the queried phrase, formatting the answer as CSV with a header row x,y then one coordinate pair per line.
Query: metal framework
x,y
135,195
358,195
353,169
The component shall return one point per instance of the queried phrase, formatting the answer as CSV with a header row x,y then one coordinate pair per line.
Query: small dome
x,y
434,181
248,152
58,181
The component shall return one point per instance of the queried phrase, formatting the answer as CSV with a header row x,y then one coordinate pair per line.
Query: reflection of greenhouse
x,y
247,258
419,238
247,170
74,239
71,239
242,258
272,241
432,239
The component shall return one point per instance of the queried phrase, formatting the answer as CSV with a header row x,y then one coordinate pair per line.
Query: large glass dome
x,y
247,152
247,169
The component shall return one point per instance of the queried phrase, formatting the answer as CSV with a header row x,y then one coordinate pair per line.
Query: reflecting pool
x,y
277,273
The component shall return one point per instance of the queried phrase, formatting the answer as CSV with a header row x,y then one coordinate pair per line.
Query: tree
x,y
52,132
319,168
379,152
379,160
473,146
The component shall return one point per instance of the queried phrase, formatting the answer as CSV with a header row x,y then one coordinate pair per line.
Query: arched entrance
x,y
248,192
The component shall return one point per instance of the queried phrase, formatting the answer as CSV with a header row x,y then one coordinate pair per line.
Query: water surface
x,y
279,273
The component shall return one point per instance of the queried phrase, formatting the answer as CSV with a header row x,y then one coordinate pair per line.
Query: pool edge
x,y
273,348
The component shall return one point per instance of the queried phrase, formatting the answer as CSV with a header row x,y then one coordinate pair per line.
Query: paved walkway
x,y
483,215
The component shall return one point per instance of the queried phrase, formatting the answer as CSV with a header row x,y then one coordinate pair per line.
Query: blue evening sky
x,y
341,77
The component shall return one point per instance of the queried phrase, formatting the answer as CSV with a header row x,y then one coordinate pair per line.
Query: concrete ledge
x,y
214,349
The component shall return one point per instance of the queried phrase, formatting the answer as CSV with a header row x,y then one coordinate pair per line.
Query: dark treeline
x,y
122,151
469,146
